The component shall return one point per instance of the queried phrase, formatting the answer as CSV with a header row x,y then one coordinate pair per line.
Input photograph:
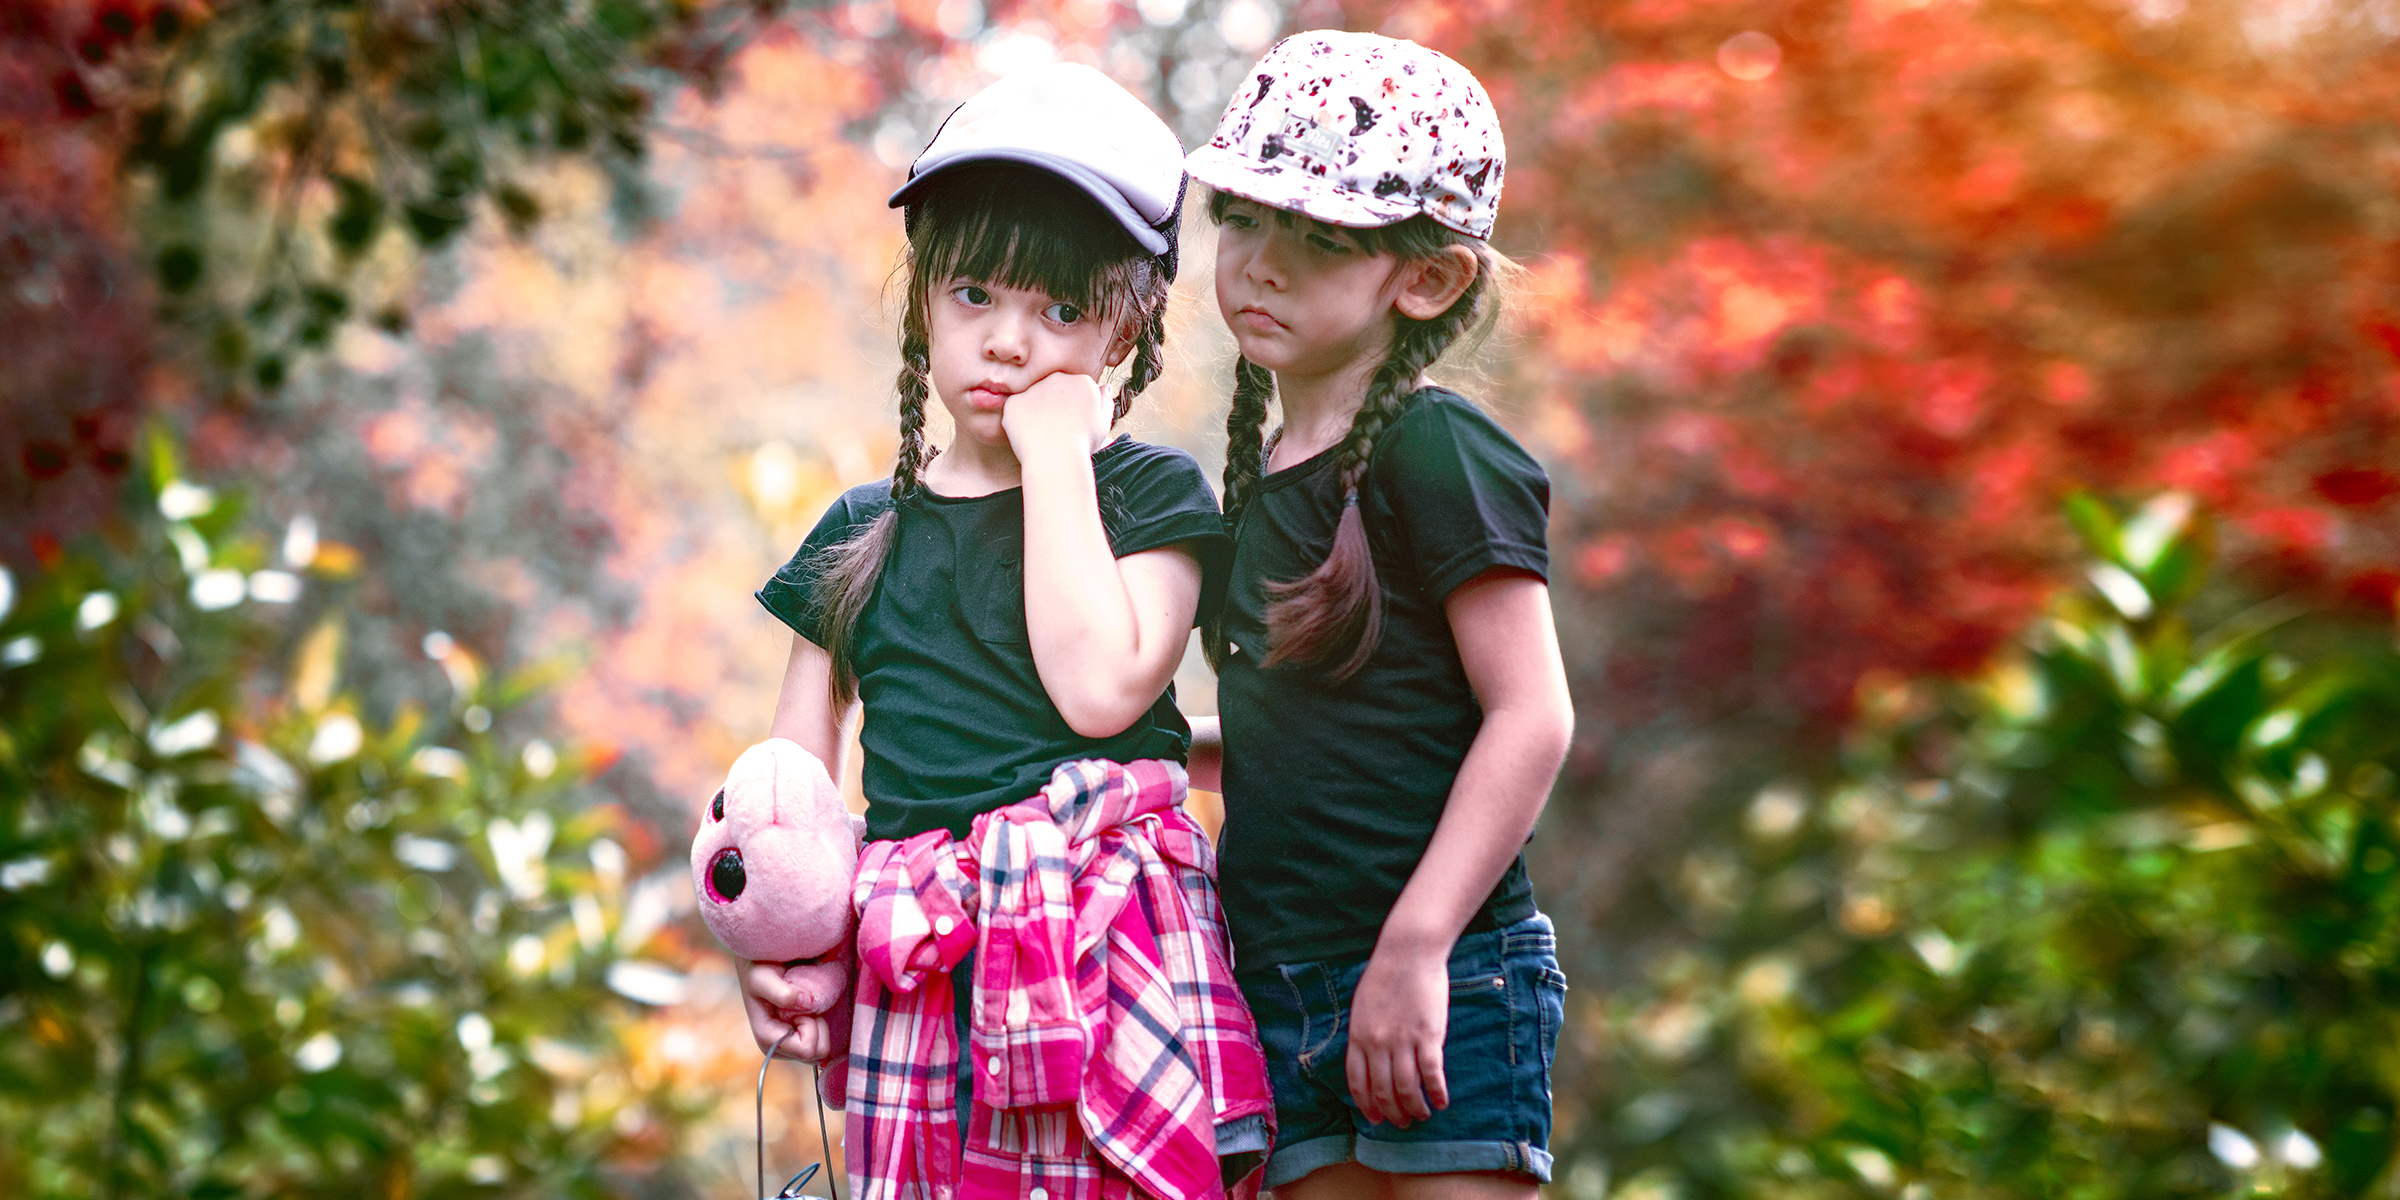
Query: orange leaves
x,y
1837,339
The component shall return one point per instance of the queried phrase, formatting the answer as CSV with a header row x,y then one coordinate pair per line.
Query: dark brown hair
x,y
1008,226
1332,617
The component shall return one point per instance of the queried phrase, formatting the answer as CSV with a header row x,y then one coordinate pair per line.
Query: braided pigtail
x,y
1245,464
1149,356
1333,616
846,580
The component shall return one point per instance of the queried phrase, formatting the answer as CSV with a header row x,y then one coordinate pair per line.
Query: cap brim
x,y
1300,191
1091,185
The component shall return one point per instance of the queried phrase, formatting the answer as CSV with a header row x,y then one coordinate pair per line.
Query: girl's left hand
x,y
1059,412
1398,1020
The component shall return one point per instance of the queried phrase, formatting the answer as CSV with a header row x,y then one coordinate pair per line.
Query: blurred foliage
x,y
289,156
250,945
2115,919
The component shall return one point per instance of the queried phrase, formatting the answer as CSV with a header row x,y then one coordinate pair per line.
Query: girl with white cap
x,y
1393,704
1045,1007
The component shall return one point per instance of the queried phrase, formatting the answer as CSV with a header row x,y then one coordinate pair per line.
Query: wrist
x,y
1061,463
1405,945
1051,450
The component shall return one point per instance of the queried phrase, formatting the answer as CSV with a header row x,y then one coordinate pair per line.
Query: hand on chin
x,y
1061,412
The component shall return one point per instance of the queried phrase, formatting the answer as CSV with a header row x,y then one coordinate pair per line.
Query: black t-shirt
x,y
957,722
1332,790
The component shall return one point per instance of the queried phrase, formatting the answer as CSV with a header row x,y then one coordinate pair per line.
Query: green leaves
x,y
255,940
2150,561
282,138
2116,920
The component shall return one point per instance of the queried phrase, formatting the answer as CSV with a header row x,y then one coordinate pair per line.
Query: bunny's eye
x,y
716,807
725,875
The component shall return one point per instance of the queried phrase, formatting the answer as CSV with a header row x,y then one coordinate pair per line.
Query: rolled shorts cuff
x,y
1449,1158
1406,1158
1299,1158
1249,1135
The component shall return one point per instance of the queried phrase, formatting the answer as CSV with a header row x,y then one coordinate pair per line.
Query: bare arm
x,y
1207,765
804,713
1107,632
804,710
1509,647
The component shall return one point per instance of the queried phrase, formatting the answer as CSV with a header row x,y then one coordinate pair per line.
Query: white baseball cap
x,y
1361,130
1076,123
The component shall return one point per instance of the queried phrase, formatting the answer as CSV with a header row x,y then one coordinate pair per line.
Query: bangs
x,y
1019,227
1414,237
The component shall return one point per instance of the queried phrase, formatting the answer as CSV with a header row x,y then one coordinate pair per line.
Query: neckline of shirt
x,y
927,492
1306,467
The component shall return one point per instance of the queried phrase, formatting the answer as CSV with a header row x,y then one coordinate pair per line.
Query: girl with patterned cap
x,y
1044,1004
1393,705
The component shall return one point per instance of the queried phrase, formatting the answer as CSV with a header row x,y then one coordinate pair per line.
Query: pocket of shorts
x,y
995,601
1481,983
1550,1001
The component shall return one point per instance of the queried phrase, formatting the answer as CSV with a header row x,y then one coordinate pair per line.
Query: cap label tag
x,y
1318,141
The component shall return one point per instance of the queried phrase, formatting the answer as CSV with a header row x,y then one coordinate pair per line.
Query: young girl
x,y
1046,1007
1394,709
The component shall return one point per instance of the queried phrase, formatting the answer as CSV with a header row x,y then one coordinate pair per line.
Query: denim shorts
x,y
1507,999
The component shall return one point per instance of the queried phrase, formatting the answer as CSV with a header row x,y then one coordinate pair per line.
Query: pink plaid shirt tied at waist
x,y
1113,1055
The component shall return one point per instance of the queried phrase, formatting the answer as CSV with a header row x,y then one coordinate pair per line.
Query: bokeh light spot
x,y
1749,56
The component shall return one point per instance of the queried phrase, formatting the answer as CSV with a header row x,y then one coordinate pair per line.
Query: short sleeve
x,y
791,593
1156,496
1467,497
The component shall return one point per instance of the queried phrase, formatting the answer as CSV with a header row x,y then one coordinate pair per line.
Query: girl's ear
x,y
1429,286
1121,345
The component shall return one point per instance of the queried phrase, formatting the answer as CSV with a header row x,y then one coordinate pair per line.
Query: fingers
x,y
1385,1084
1061,404
1397,1081
1436,1095
1358,1075
770,1001
765,983
811,1041
1408,1085
766,1028
803,1039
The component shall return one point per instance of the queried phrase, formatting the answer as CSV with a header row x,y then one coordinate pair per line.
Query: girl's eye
x,y
1240,220
970,294
1063,313
1327,244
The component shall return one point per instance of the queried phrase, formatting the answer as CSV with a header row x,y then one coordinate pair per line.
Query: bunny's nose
x,y
725,875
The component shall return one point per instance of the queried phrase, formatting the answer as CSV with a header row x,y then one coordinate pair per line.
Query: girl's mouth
x,y
986,398
1257,321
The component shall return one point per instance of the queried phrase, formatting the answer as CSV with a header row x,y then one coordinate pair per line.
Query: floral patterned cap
x,y
1361,130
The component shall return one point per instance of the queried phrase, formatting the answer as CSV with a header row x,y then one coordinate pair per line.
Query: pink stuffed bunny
x,y
772,864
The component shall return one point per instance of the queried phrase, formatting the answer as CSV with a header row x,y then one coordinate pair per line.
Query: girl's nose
x,y
1266,267
1006,342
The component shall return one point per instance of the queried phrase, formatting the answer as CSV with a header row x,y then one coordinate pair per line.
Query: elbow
x,y
1550,735
1099,717
1544,731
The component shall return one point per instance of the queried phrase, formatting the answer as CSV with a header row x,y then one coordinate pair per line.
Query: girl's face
x,y
1301,297
989,342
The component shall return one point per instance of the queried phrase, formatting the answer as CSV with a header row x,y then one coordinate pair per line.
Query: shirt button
x,y
991,1066
1038,1194
943,925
